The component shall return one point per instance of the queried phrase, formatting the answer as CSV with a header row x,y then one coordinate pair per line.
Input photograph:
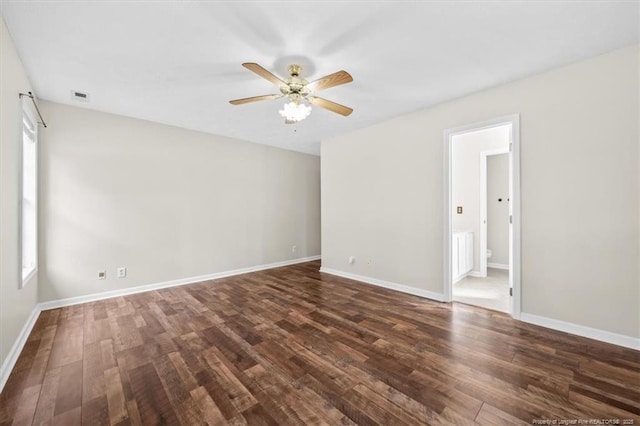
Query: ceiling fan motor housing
x,y
294,70
296,86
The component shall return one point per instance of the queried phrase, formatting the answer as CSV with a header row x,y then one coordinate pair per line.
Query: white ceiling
x,y
179,62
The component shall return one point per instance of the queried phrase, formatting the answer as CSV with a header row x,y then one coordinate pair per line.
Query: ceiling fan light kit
x,y
294,112
299,91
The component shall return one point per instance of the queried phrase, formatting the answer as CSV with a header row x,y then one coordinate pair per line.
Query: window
x,y
29,194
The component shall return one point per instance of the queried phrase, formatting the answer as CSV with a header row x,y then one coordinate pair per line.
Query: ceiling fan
x,y
299,90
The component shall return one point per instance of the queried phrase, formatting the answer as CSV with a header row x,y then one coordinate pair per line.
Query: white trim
x,y
439,297
498,266
514,230
583,331
576,329
447,229
514,271
173,283
18,345
461,277
27,110
16,349
475,274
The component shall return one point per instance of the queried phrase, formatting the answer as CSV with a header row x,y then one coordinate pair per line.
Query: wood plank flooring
x,y
294,346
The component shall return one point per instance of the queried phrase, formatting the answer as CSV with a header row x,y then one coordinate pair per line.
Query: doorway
x,y
482,259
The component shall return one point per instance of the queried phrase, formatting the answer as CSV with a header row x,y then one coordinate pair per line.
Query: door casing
x,y
514,205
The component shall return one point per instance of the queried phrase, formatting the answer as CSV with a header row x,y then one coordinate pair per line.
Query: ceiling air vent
x,y
79,96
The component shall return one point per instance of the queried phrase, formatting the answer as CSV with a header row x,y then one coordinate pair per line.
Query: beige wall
x,y
165,202
498,211
465,179
382,192
15,304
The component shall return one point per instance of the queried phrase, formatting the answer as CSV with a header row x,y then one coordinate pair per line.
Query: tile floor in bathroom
x,y
491,292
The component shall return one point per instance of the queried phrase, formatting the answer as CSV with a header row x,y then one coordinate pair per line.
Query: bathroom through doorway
x,y
481,206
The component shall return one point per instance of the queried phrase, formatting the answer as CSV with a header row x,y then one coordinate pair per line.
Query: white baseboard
x,y
463,276
498,266
460,278
16,349
173,283
581,330
14,352
387,284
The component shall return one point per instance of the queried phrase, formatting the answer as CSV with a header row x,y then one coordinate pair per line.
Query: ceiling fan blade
x,y
254,99
264,73
331,80
331,106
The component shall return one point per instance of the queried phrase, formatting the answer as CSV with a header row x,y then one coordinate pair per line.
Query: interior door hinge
x,y
510,218
510,146
510,291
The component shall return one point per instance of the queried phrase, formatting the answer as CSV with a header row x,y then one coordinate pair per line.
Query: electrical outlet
x,y
369,261
352,260
121,272
102,274
294,249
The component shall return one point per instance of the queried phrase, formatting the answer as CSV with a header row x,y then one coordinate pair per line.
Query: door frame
x,y
514,205
483,205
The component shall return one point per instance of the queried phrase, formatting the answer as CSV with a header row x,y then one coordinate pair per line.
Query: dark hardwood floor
x,y
294,346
